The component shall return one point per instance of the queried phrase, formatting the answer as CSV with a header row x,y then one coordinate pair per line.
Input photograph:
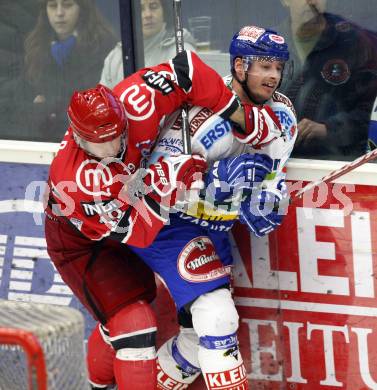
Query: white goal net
x,y
41,347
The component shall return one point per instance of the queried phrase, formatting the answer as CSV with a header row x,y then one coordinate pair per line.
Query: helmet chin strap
x,y
123,145
245,87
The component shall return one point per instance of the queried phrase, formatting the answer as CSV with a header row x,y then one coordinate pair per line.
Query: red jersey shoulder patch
x,y
138,99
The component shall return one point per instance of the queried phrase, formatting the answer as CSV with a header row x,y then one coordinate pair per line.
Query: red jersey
x,y
88,191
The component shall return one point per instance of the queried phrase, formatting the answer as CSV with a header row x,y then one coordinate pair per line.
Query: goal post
x,y
35,364
41,347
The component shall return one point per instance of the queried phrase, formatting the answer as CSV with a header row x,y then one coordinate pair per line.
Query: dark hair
x,y
91,27
167,6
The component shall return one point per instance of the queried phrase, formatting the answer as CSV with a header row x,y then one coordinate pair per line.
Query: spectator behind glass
x,y
158,38
17,18
334,81
64,52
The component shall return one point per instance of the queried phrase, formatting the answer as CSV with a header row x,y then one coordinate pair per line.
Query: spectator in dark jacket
x,y
64,52
17,18
334,82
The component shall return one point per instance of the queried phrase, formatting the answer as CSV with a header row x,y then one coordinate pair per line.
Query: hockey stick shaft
x,y
336,174
180,47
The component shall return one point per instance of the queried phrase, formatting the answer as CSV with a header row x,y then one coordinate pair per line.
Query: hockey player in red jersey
x,y
98,203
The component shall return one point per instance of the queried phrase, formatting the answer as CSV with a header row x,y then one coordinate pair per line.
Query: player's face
x,y
263,79
63,16
105,149
152,17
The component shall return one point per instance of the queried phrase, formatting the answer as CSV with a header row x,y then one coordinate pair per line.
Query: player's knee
x,y
215,320
104,333
185,350
215,314
181,351
187,343
132,332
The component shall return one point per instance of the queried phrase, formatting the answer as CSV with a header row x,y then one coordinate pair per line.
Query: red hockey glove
x,y
176,175
262,126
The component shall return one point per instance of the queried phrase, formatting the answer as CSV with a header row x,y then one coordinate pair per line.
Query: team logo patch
x,y
94,178
139,101
251,33
233,352
280,98
343,26
199,262
276,38
336,72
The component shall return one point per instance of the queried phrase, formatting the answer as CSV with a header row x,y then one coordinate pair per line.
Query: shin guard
x,y
178,364
222,364
132,335
100,359
215,320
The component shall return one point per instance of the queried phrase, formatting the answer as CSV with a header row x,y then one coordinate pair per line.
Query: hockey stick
x,y
180,47
336,174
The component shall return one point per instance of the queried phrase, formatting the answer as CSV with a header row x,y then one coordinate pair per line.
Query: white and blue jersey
x,y
193,253
372,129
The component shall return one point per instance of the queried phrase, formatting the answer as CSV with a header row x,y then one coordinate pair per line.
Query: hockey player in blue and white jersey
x,y
372,129
245,181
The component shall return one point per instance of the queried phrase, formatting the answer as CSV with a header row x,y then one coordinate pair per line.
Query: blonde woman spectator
x,y
158,39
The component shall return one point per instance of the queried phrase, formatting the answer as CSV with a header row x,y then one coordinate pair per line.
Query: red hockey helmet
x,y
97,115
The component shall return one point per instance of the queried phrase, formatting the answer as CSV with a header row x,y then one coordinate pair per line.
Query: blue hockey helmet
x,y
256,42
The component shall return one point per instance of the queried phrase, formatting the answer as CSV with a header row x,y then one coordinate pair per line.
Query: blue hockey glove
x,y
232,174
261,212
